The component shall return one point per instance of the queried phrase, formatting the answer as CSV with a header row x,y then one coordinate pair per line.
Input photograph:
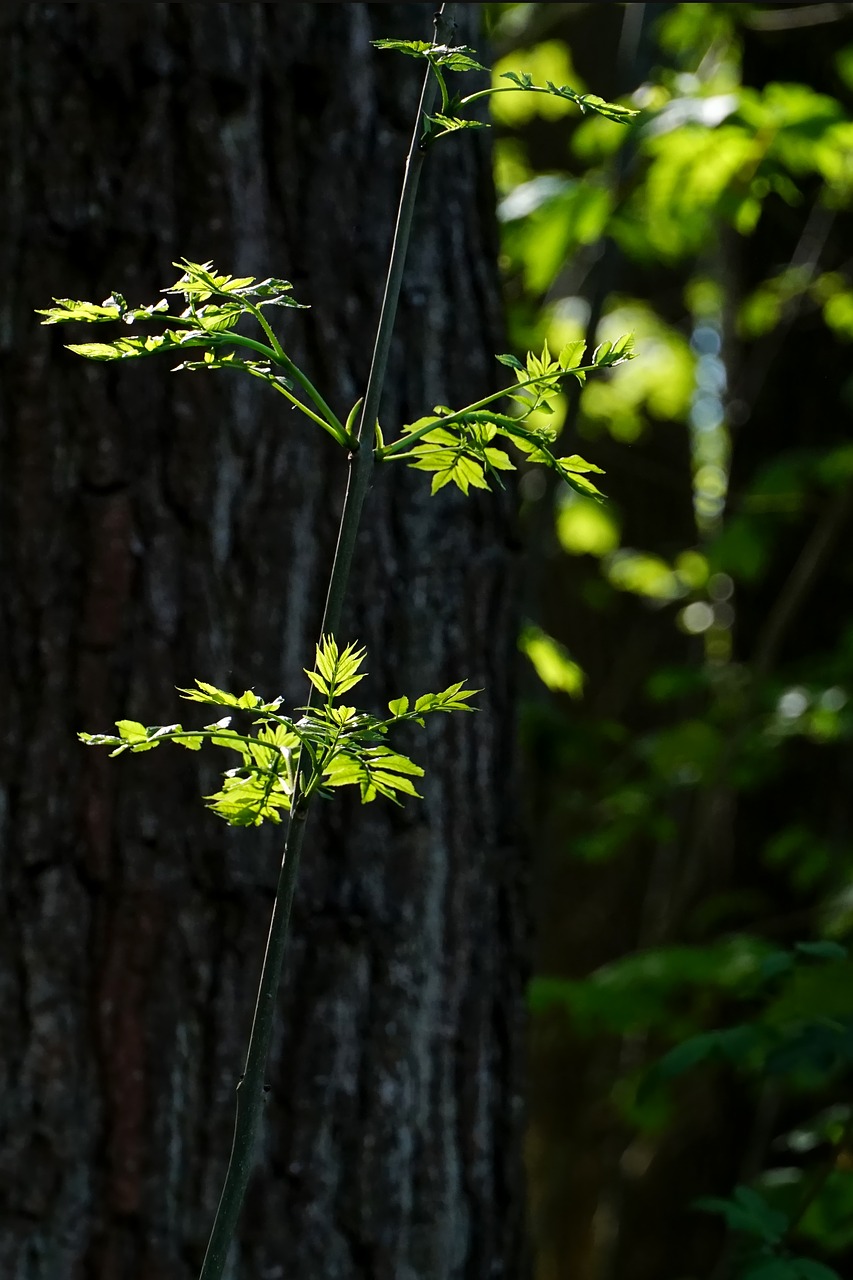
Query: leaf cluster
x,y
763,1232
466,447
284,760
587,102
211,304
451,118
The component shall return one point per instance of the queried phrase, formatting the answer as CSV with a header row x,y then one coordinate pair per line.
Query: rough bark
x,y
155,529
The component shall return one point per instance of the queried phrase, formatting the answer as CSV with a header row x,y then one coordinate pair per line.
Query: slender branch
x,y
801,578
442,85
345,439
487,93
396,448
283,359
266,326
308,387
278,356
222,339
250,1090
361,467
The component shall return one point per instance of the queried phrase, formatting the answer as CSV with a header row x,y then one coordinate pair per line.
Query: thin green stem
x,y
361,468
515,88
277,356
309,413
398,446
266,326
442,85
308,387
283,359
223,338
250,1090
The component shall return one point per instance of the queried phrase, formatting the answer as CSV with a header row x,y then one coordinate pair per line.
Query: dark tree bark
x,y
155,529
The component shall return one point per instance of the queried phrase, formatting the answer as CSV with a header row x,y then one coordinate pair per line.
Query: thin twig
x,y
361,465
800,580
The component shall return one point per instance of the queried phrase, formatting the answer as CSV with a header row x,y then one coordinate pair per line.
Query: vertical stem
x,y
361,462
250,1091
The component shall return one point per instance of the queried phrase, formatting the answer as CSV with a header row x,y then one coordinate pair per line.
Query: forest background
x,y
689,781
685,653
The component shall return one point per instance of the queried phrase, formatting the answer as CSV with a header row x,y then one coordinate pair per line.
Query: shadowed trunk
x,y
155,529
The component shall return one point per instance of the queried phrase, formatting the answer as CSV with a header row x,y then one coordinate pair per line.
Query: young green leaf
x,y
200,281
512,361
451,58
413,48
336,670
441,125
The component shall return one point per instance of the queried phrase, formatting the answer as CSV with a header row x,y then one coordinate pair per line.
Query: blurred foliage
x,y
690,741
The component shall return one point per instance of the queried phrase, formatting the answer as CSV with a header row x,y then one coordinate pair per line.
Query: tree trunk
x,y
155,529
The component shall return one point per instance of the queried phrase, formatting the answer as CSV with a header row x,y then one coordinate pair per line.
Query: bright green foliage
x,y
456,447
444,58
730,208
461,446
551,662
586,101
451,59
284,761
207,324
336,671
762,1231
439,125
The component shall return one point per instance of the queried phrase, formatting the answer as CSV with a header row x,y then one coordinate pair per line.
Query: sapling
x,y
284,761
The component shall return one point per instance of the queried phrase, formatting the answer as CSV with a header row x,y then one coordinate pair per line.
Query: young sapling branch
x,y
286,762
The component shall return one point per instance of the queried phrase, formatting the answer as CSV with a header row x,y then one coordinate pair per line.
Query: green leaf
x,y
573,479
245,802
571,355
732,1044
210,694
453,698
319,682
414,48
104,740
822,950
200,281
748,1212
392,760
398,706
576,463
498,459
523,81
248,701
441,125
552,662
458,59
512,361
130,348
132,730
87,312
337,671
